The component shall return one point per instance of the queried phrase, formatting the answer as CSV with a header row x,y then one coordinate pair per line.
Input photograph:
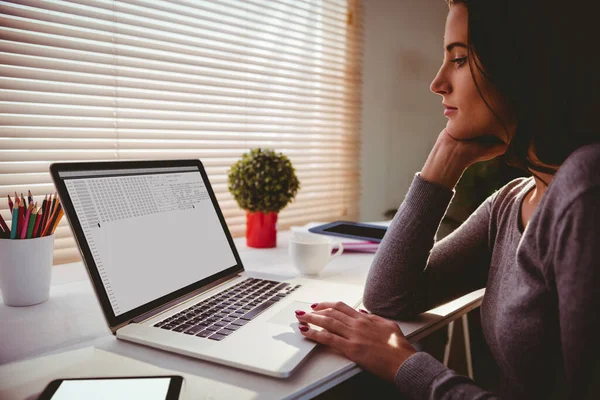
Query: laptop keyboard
x,y
224,313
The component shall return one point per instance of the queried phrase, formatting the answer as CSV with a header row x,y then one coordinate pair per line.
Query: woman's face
x,y
468,115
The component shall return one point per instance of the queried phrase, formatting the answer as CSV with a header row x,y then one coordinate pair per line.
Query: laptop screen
x,y
151,231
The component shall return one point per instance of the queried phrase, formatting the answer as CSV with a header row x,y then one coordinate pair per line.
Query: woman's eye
x,y
459,61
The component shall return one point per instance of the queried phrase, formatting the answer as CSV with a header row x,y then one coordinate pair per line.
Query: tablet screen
x,y
92,389
347,229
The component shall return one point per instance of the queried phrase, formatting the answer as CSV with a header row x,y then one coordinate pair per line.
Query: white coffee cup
x,y
311,253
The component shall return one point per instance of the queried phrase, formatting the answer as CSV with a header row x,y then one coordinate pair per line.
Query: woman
x,y
514,81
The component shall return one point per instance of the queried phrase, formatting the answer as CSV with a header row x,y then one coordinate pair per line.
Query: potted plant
x,y
262,182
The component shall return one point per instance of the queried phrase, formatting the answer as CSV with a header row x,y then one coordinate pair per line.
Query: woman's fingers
x,y
373,317
327,322
337,305
323,337
471,147
335,314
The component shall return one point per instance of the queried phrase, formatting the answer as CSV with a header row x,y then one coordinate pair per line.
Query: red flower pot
x,y
261,229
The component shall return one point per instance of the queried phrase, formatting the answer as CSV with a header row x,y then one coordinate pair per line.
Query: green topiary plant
x,y
263,180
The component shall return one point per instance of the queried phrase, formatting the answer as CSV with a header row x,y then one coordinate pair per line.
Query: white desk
x,y
72,319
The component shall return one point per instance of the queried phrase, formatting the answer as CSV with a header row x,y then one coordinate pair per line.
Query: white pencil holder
x,y
25,269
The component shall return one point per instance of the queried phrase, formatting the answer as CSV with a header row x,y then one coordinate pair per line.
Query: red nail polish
x,y
304,328
314,305
298,312
363,311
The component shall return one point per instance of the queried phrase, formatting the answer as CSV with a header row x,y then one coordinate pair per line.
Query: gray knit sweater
x,y
541,310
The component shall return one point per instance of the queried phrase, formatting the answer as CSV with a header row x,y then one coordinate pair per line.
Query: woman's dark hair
x,y
541,56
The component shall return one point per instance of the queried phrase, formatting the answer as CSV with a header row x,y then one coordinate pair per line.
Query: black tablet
x,y
352,230
130,387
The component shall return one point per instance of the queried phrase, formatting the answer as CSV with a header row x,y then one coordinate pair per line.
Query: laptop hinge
x,y
179,300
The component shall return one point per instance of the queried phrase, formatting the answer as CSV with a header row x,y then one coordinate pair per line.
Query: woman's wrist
x,y
404,355
444,165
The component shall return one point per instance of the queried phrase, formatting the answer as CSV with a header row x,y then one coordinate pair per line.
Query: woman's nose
x,y
440,85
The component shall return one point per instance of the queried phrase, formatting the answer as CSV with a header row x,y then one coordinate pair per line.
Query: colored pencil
x,y
53,206
48,222
26,222
43,224
56,204
32,221
15,224
21,216
3,224
61,212
51,221
43,209
47,212
38,231
38,223
51,201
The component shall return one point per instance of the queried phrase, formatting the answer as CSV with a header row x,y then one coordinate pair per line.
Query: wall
x,y
401,117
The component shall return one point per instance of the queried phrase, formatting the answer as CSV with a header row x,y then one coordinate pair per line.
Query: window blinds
x,y
150,79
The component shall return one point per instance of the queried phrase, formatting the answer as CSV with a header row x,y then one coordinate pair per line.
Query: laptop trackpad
x,y
287,315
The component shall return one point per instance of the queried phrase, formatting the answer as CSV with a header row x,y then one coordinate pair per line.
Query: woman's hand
x,y
374,343
450,156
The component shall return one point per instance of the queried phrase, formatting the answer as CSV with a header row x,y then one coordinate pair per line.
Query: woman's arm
x,y
575,261
411,273
379,346
400,285
423,377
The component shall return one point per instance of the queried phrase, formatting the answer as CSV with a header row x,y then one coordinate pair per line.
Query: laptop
x,y
167,273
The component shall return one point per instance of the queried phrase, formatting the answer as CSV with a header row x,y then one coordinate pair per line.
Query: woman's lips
x,y
449,111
